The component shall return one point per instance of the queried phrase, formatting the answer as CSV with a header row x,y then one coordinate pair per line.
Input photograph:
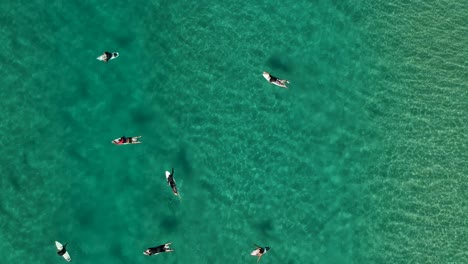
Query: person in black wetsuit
x,y
275,80
109,55
171,182
63,251
158,249
259,252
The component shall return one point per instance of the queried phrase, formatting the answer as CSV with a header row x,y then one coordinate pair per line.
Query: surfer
x,y
121,140
126,140
107,56
63,250
259,251
158,249
171,181
274,80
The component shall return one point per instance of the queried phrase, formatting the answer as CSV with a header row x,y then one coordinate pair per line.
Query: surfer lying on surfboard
x,y
275,81
158,249
62,251
107,56
127,140
259,251
171,181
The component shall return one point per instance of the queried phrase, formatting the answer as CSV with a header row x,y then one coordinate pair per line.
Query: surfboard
x,y
174,190
267,76
255,252
103,56
159,249
135,140
258,250
59,247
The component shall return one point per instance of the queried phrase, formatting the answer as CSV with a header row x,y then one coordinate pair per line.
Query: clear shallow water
x,y
361,160
418,192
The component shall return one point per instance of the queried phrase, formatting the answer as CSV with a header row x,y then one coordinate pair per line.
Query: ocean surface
x,y
364,159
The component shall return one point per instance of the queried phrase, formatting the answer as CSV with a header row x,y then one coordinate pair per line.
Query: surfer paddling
x,y
127,140
259,251
107,56
274,80
62,251
158,249
171,181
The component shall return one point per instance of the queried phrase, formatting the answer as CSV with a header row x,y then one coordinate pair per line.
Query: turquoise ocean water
x,y
362,160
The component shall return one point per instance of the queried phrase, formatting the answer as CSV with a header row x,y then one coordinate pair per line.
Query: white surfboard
x,y
135,140
255,252
103,56
267,76
59,247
